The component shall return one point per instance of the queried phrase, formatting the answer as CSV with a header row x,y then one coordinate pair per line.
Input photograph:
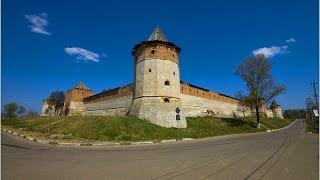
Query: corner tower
x,y
276,109
157,81
73,104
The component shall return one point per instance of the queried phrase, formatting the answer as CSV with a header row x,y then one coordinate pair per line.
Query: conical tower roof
x,y
81,85
274,103
158,35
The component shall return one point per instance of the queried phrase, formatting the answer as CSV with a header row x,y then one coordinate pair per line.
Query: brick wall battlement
x,y
204,93
110,94
76,95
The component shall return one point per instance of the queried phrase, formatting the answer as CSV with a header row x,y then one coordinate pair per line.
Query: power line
x,y
315,91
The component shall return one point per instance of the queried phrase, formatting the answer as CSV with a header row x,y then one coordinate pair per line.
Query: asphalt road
x,y
286,154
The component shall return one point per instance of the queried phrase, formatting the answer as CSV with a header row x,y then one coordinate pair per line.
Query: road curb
x,y
53,142
125,143
168,140
272,130
85,144
94,144
187,139
115,143
144,142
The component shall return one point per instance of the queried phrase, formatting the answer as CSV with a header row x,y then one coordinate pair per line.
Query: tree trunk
x,y
258,116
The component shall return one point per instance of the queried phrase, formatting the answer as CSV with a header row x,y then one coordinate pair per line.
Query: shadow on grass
x,y
238,122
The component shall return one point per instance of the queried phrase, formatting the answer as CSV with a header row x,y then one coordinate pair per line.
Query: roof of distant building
x,y
82,86
274,103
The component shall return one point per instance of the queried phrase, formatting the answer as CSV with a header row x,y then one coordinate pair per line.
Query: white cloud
x,y
82,54
291,40
270,51
38,23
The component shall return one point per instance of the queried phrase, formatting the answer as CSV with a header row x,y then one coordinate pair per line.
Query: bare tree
x,y
255,71
311,105
21,110
245,103
13,109
58,96
10,110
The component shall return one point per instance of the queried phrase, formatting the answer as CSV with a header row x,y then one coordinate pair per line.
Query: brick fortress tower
x,y
73,104
157,81
276,110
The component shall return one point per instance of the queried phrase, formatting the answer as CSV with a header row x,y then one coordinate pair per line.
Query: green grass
x,y
312,127
272,123
115,128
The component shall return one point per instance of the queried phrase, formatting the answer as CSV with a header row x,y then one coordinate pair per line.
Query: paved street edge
x,y
123,143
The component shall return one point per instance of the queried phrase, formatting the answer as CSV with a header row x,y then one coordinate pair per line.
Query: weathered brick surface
x,y
194,106
48,107
157,51
73,103
77,95
269,112
186,89
151,76
110,94
158,112
277,112
115,106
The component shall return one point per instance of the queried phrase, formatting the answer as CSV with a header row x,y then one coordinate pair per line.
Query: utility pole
x,y
315,92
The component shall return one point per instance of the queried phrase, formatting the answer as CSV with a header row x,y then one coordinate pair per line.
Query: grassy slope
x,y
113,128
312,127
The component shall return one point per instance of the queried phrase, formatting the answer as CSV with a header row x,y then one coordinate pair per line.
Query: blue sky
x,y
52,45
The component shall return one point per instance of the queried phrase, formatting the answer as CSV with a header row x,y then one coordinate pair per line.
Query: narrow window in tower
x,y
172,55
166,100
153,51
174,73
149,70
167,83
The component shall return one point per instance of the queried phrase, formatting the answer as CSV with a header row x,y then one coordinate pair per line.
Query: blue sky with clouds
x,y
52,45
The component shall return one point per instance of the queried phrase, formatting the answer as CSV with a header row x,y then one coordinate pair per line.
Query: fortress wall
x,y
199,106
113,102
269,112
110,94
75,108
206,94
117,106
197,101
157,112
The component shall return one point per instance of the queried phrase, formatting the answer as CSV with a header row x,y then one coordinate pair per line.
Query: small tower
x,y
157,81
276,109
73,104
48,107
